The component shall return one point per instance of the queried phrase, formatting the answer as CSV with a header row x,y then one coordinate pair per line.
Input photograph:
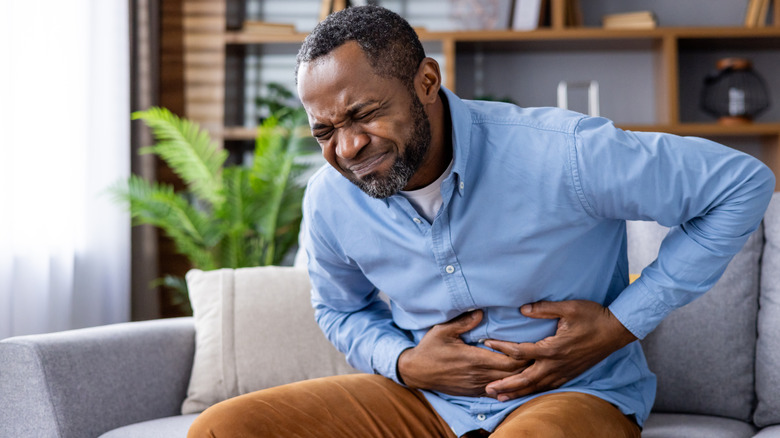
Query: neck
x,y
439,154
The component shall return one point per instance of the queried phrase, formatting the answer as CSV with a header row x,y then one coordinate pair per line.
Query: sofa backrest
x,y
768,347
704,353
82,383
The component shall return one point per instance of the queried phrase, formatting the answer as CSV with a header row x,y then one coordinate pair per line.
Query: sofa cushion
x,y
769,432
768,347
695,426
254,329
168,427
703,353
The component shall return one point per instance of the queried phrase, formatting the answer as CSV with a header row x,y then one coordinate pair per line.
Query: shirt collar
x,y
460,116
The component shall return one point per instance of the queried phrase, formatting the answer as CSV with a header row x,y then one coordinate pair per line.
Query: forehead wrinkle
x,y
334,111
331,113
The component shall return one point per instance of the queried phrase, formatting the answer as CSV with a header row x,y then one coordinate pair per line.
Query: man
x,y
498,234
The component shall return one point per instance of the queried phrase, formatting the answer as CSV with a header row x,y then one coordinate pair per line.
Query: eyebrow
x,y
356,108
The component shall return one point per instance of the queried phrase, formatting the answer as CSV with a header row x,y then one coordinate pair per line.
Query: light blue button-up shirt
x,y
534,209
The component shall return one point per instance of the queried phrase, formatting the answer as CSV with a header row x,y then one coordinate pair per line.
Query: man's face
x,y
372,129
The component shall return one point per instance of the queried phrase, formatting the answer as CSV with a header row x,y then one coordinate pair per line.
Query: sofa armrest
x,y
81,383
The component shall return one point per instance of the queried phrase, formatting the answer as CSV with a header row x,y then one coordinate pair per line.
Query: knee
x,y
532,428
200,428
212,423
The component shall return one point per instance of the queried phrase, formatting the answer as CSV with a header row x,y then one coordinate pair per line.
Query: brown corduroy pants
x,y
365,406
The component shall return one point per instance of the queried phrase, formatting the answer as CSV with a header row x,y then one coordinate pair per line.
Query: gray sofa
x,y
717,361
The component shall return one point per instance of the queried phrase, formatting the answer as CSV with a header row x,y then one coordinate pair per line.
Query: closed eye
x,y
365,116
322,135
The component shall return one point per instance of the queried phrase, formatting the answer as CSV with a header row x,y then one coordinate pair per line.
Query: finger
x,y
503,365
519,351
546,309
510,387
462,324
534,379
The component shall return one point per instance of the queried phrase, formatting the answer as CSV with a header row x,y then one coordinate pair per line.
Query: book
x,y
763,11
339,5
776,12
631,25
266,27
754,13
630,20
326,7
574,16
526,14
630,16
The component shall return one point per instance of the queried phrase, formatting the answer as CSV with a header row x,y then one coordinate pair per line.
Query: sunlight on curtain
x,y
64,138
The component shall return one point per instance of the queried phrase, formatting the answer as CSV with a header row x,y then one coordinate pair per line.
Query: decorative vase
x,y
734,93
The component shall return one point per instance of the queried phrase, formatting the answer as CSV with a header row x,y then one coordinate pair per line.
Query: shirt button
x,y
417,220
450,269
462,185
481,417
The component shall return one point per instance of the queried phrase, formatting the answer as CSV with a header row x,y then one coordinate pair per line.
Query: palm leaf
x,y
273,177
240,213
192,231
188,151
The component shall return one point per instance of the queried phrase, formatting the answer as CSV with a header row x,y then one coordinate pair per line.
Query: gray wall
x,y
671,12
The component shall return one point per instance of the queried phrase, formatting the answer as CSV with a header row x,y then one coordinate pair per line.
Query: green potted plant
x,y
229,216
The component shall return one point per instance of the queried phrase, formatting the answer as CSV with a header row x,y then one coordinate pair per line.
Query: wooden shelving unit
x,y
667,46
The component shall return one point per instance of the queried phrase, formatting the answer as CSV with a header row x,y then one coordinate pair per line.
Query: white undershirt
x,y
427,200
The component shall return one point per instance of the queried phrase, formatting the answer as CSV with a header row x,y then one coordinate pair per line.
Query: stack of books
x,y
630,20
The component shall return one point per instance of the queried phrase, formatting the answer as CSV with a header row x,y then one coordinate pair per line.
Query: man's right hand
x,y
443,362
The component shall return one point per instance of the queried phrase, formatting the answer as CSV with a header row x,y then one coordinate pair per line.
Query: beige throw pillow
x,y
254,329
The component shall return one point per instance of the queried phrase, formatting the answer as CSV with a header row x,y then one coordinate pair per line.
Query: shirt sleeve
x,y
348,308
711,196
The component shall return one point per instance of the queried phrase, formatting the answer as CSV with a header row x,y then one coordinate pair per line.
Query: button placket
x,y
446,257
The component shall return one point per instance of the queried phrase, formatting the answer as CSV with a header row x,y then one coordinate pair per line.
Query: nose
x,y
350,142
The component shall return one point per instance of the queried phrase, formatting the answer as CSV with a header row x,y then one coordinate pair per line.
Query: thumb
x,y
545,309
461,324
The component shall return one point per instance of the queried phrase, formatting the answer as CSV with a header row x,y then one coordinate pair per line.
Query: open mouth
x,y
367,166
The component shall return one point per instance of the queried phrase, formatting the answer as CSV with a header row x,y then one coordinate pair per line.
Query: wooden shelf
x,y
239,133
240,37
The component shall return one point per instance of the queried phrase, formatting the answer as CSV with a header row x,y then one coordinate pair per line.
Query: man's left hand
x,y
587,333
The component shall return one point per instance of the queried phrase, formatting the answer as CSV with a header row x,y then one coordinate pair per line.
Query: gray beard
x,y
384,186
381,187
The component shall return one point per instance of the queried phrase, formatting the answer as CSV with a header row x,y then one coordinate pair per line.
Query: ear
x,y
427,82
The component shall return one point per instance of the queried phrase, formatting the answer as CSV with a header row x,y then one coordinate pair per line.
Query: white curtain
x,y
64,139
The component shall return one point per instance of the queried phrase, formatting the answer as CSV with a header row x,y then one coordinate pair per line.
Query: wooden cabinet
x,y
650,80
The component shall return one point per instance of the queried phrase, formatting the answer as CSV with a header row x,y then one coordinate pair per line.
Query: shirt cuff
x,y
638,309
384,360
